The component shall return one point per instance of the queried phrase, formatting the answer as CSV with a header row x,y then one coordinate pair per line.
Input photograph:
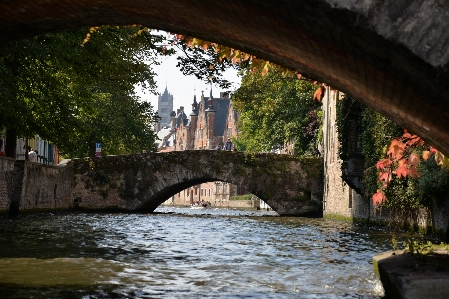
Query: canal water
x,y
186,253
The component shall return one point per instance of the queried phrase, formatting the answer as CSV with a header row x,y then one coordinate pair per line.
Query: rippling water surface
x,y
185,253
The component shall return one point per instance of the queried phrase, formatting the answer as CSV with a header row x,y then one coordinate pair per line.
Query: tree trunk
x,y
11,143
92,147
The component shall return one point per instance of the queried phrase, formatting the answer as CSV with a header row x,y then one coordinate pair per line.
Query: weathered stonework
x,y
390,55
6,175
27,186
46,187
339,199
289,184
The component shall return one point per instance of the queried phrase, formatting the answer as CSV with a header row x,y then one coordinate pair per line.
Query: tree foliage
x,y
68,91
276,109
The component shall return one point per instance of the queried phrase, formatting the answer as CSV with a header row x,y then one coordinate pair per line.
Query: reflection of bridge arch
x,y
391,56
289,184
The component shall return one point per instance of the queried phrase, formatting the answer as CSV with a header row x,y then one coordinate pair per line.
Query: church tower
x,y
165,107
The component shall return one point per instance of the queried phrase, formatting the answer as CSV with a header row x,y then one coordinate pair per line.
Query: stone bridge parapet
x,y
291,185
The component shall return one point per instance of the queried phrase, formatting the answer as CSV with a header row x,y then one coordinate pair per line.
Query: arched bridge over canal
x,y
392,55
290,185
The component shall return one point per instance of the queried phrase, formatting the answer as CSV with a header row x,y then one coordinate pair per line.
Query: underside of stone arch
x,y
390,55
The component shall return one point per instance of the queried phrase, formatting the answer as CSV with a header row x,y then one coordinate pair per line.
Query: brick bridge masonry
x,y
391,55
140,183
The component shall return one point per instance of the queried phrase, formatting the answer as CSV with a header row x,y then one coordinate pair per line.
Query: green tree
x,y
72,93
276,109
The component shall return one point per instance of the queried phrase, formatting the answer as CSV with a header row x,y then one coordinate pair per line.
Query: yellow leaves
x,y
441,160
396,149
265,69
87,38
233,55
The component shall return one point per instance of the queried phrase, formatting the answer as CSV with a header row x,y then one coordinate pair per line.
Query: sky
x,y
183,88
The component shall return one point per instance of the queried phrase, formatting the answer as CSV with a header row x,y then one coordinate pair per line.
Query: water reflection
x,y
186,253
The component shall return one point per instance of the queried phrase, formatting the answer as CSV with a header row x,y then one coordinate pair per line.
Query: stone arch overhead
x,y
289,184
390,55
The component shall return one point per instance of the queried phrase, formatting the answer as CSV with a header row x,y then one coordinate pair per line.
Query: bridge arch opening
x,y
378,60
215,194
210,192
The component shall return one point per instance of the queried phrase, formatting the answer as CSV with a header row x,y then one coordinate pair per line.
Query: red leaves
x,y
413,172
413,159
401,161
319,93
378,198
384,177
382,164
401,171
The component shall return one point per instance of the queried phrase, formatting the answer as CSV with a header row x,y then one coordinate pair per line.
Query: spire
x,y
194,106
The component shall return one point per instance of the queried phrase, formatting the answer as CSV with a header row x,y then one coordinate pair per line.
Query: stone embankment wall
x,y
28,186
46,187
6,177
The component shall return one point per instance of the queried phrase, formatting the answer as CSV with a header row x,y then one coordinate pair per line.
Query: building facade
x,y
164,109
211,122
47,153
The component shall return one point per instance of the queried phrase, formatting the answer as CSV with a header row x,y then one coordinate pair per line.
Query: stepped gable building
x,y
211,121
164,108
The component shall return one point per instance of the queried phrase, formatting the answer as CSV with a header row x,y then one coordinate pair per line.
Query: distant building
x,y
211,122
208,124
164,108
47,153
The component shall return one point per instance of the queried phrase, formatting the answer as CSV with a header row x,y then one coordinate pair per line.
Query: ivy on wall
x,y
404,195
